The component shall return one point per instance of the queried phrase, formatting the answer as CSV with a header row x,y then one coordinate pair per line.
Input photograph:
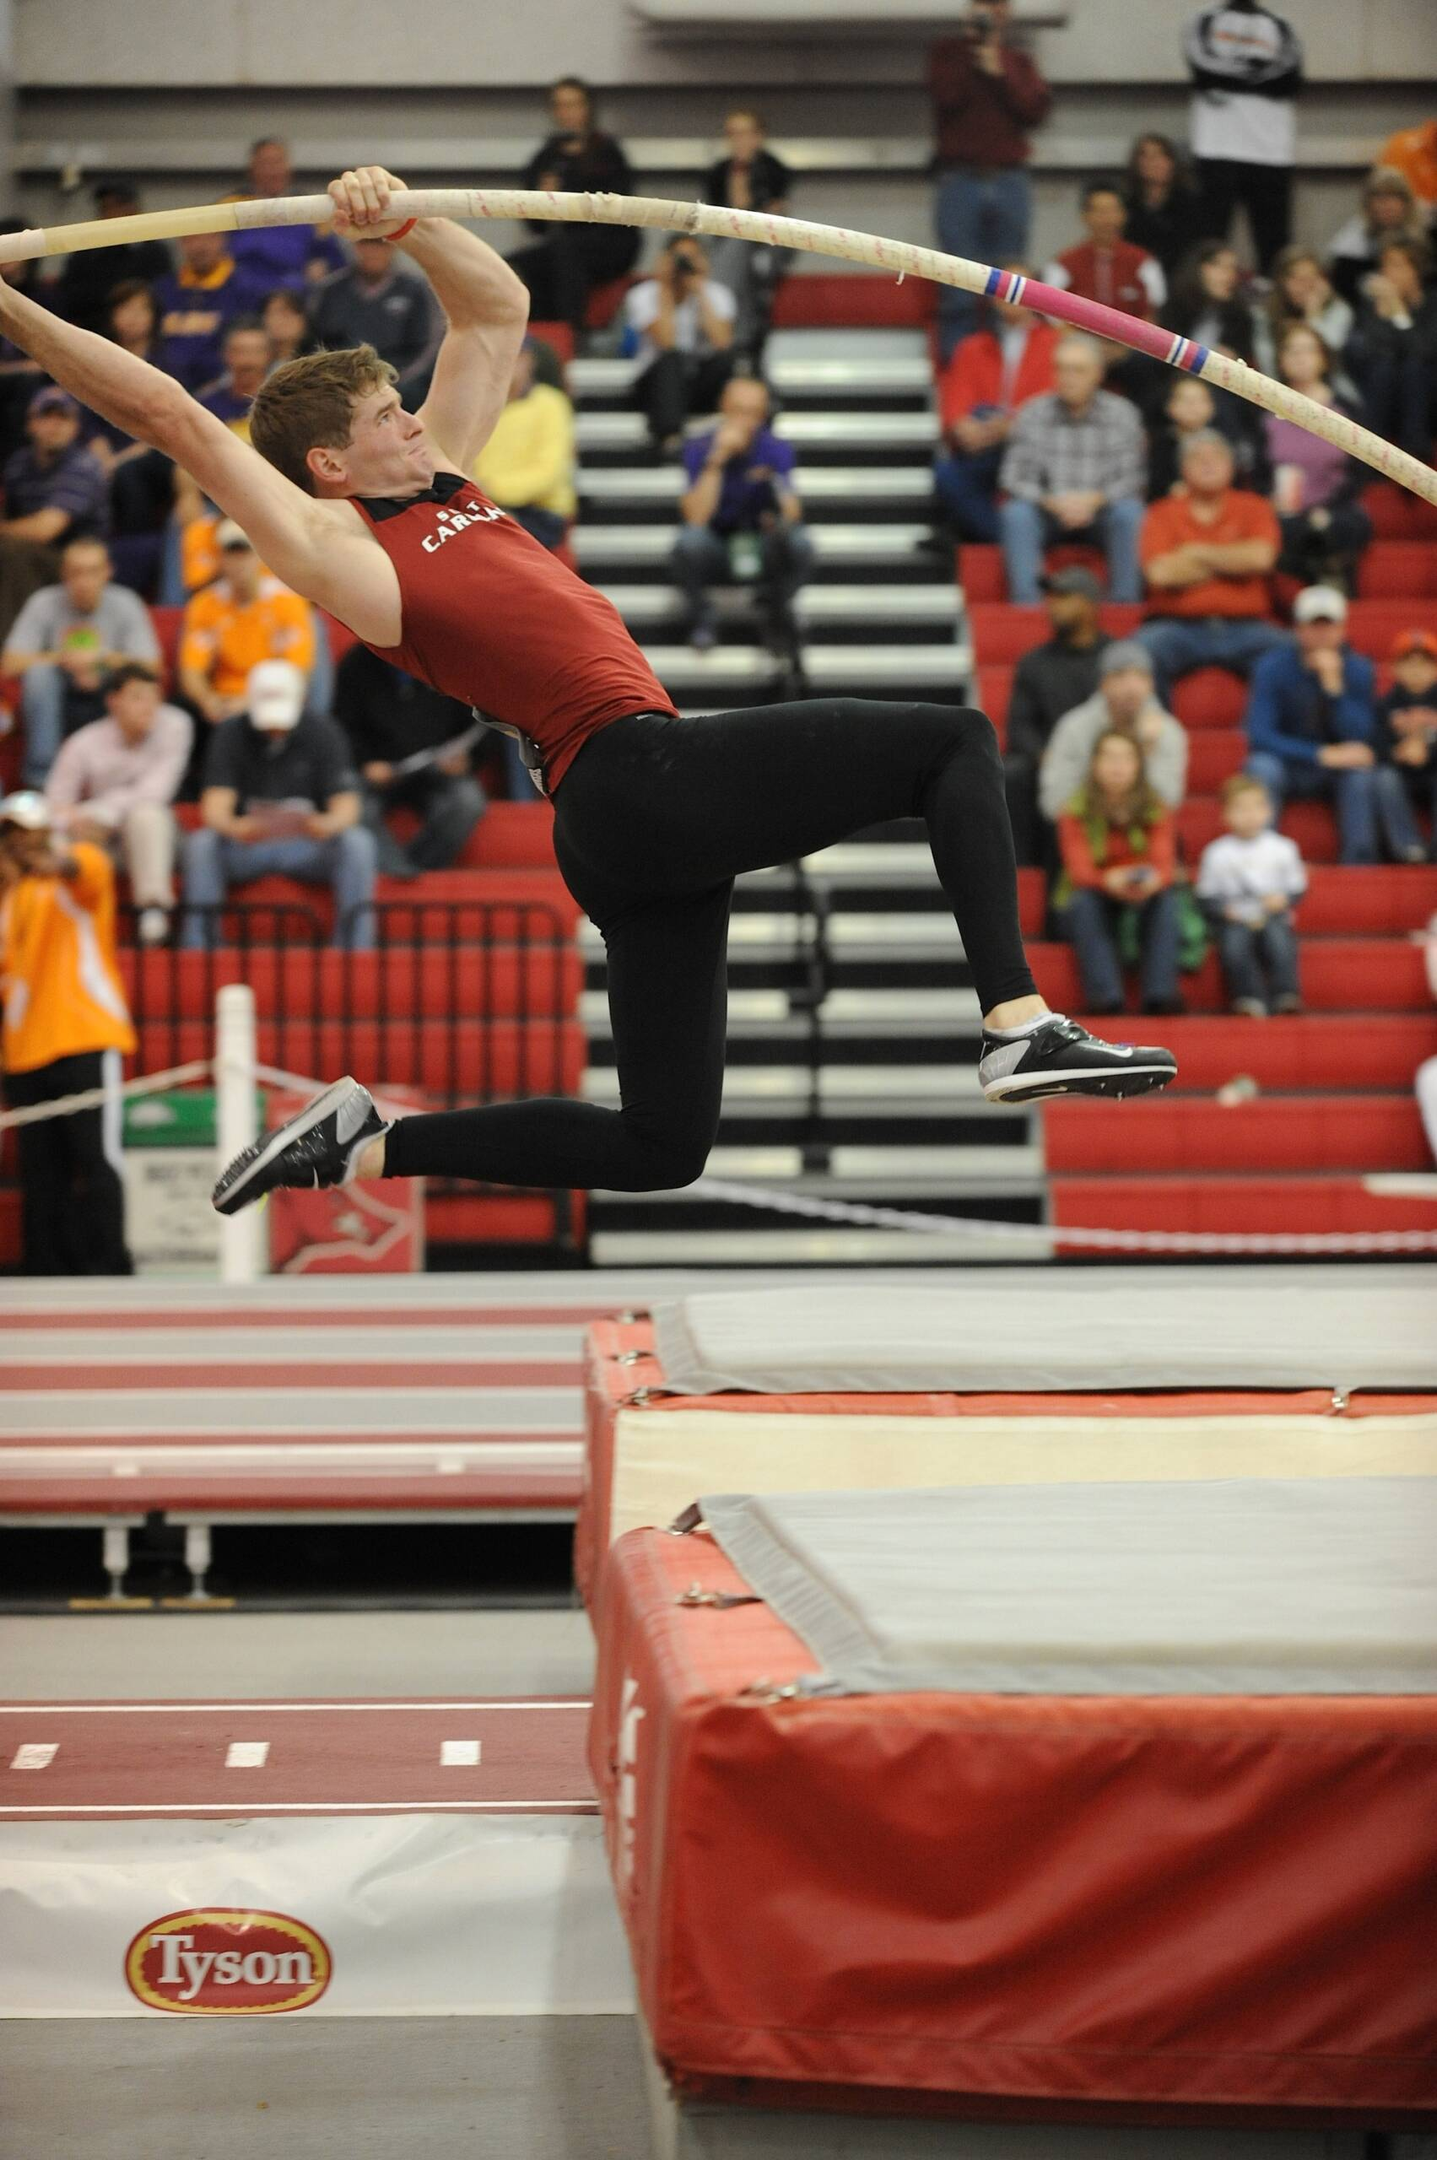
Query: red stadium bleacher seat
x,y
1393,569
1002,632
1372,625
605,301
1210,698
1397,514
831,300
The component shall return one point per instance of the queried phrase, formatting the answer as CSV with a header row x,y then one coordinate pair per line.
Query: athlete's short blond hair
x,y
308,404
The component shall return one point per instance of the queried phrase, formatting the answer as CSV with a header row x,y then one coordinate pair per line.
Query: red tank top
x,y
492,618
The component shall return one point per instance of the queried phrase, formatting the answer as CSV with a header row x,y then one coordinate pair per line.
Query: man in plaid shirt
x,y
1075,469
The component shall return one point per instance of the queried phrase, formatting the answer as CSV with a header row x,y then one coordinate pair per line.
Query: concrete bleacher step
x,y
897,548
823,610
883,490
813,434
854,377
1323,1133
846,670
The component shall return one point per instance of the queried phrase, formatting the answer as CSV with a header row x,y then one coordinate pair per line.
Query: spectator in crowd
x,y
372,301
1389,212
414,750
85,289
1161,201
280,799
1116,894
1301,292
1407,730
65,1029
741,482
271,256
749,178
1312,726
20,375
563,263
1190,407
55,491
1315,487
681,321
142,480
245,617
197,304
992,373
986,97
1413,152
113,783
1122,704
1245,62
63,645
1248,881
1208,305
1393,349
247,360
1207,554
1049,681
527,465
1074,469
1105,267
286,325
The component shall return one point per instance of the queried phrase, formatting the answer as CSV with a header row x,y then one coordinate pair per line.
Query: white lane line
x,y
264,1709
458,1754
317,1807
35,1755
246,1754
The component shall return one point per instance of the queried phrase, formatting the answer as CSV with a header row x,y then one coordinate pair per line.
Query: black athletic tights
x,y
653,821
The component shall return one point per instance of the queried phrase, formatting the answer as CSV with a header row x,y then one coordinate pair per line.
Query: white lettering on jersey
x,y
455,521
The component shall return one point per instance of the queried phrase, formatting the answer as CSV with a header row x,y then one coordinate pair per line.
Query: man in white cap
x,y
280,798
1312,725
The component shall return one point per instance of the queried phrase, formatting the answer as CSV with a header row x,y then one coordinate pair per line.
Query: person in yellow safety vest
x,y
65,1028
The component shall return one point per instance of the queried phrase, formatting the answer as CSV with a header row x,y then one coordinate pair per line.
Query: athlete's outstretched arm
x,y
485,307
284,523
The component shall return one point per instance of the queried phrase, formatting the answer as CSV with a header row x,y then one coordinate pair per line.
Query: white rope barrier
x,y
96,1098
717,221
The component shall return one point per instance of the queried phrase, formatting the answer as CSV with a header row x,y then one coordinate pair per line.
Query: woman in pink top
x,y
1315,487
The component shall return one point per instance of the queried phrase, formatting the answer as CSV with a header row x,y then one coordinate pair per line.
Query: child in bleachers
x,y
1248,881
1407,724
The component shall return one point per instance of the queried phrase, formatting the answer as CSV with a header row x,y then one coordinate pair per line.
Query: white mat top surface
x,y
1233,1587
1332,1328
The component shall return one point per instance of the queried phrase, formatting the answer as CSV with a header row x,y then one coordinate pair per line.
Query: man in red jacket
x,y
985,97
988,378
1106,267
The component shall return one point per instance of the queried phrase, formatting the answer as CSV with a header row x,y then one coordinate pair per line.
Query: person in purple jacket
x,y
741,489
280,258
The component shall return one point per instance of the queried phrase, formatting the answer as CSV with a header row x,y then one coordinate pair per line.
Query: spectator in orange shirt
x,y
246,616
66,1026
1116,891
1207,554
1413,152
990,374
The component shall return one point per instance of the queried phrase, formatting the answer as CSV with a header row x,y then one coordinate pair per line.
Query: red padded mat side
x,y
1217,1907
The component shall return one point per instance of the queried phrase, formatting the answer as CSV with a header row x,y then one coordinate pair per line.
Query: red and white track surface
x,y
390,1396
99,1761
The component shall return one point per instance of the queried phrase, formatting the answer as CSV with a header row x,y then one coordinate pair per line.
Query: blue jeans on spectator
x,y
1365,799
967,489
700,559
1177,644
983,215
1401,791
1091,921
449,807
50,709
1258,964
1026,530
346,863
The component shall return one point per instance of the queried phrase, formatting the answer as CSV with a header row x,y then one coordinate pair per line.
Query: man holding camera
x,y
985,98
741,486
681,323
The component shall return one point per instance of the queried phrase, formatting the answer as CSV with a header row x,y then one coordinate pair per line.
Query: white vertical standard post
x,y
241,1239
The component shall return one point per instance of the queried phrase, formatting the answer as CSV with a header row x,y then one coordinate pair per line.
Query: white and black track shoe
x,y
1057,1057
318,1146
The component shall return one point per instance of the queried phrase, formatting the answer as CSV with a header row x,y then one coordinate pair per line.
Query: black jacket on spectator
x,y
1386,741
1050,680
1169,230
596,163
1240,423
84,286
396,317
387,715
309,764
769,181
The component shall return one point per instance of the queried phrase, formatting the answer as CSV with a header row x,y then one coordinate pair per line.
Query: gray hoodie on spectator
x,y
1070,749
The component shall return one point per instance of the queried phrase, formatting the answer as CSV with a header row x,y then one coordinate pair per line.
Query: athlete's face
x,y
388,452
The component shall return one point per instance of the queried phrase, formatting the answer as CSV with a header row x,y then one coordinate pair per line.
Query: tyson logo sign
x,y
228,1962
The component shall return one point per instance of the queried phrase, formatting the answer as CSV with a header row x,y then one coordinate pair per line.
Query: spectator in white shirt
x,y
114,781
1246,68
62,645
681,323
1247,882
